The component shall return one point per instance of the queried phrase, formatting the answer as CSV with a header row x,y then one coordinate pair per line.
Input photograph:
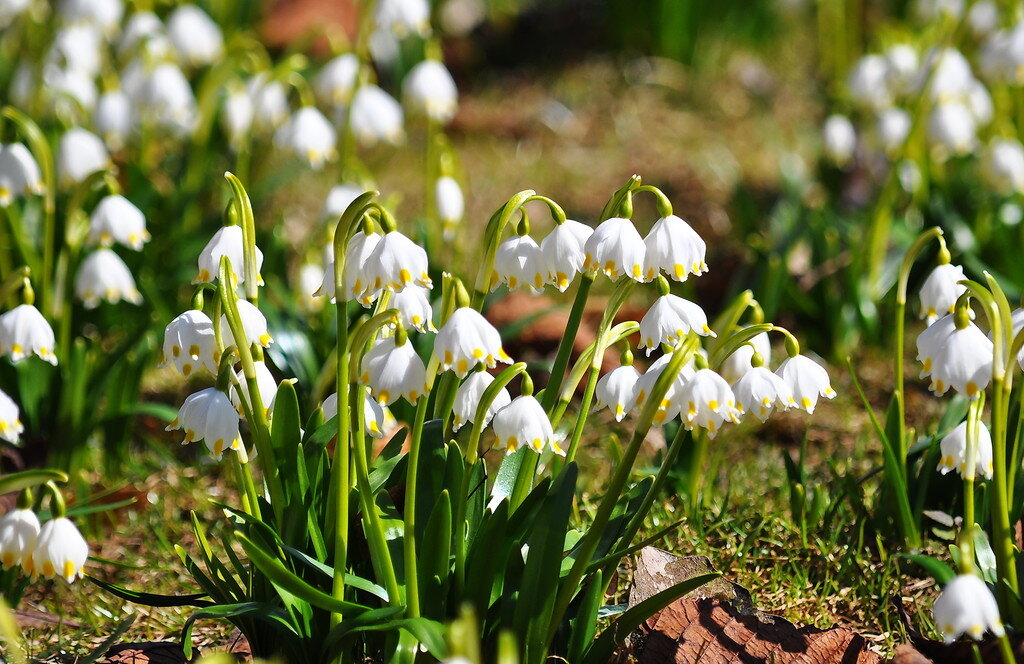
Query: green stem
x,y
1006,650
565,346
968,473
695,481
409,538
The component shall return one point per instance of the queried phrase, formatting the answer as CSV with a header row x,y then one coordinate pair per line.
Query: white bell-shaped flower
x,y
839,139
24,331
77,48
11,9
941,290
952,77
869,82
616,391
468,396
338,199
966,606
227,241
429,89
269,102
139,27
669,405
1002,166
413,304
403,17
963,362
359,288
60,550
395,262
309,136
114,118
523,423
1017,317
374,415
451,205
562,252
196,38
983,17
759,391
237,116
166,99
72,93
737,364
807,379
467,339
116,219
103,14
673,247
980,103
208,415
103,276
615,248
931,340
79,154
517,264
189,343
394,371
707,401
266,384
11,427
254,326
954,451
334,82
669,320
952,129
376,117
19,531
19,173
893,127
903,65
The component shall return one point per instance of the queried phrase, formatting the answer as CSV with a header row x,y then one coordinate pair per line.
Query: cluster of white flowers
x,y
884,89
53,549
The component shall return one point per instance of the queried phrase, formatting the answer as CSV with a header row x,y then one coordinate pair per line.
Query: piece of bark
x,y
32,619
153,652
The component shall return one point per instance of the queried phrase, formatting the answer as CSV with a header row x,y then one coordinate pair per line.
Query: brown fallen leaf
x,y
154,652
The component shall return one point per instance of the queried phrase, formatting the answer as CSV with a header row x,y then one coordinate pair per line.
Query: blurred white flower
x,y
903,66
140,27
966,606
189,342
24,331
80,153
70,92
11,9
254,326
893,127
616,391
104,276
941,290
266,385
269,102
114,118
392,371
19,530
807,379
983,17
952,78
933,10
413,304
196,38
523,423
308,135
739,363
374,415
227,241
335,81
60,550
468,398
208,415
669,320
954,451
562,252
980,103
517,264
19,173
166,99
10,424
77,47
338,200
467,339
615,248
103,14
673,247
395,262
376,117
952,129
839,139
403,17
869,82
450,204
116,219
1002,166
237,116
429,89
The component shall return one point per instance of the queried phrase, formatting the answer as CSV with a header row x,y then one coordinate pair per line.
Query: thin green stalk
x,y
1006,650
696,478
565,346
968,473
412,591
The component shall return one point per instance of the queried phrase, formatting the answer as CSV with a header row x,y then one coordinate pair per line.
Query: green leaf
x,y
435,559
584,625
601,650
29,478
937,569
150,599
285,425
505,481
286,580
265,612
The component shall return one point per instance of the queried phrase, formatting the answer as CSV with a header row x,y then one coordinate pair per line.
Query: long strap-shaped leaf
x,y
262,610
151,599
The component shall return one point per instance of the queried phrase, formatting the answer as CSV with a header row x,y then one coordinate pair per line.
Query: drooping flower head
x,y
615,248
24,331
467,339
562,252
523,423
954,451
429,89
60,550
116,219
673,247
196,38
103,276
395,262
19,530
254,325
807,379
517,264
468,397
374,415
941,290
966,606
759,392
616,391
707,401
309,136
394,370
451,204
208,415
669,320
190,342
10,420
80,153
227,241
